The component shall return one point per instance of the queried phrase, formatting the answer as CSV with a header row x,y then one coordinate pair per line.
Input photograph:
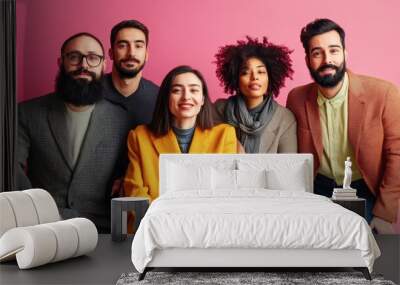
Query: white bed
x,y
247,210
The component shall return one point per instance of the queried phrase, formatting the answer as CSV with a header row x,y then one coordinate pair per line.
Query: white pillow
x,y
224,179
252,178
227,179
293,179
281,174
188,177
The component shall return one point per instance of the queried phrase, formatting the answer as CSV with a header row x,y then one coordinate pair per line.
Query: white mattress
x,y
251,218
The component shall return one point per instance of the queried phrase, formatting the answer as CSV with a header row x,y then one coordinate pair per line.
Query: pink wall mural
x,y
190,32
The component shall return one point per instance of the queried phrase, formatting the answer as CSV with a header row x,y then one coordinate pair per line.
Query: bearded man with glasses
x,y
70,141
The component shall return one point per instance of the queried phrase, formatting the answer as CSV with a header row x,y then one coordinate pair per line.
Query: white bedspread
x,y
252,218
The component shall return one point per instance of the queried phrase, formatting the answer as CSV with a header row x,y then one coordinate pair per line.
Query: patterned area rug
x,y
270,278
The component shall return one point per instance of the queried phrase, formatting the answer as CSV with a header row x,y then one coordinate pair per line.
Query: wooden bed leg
x,y
364,271
143,274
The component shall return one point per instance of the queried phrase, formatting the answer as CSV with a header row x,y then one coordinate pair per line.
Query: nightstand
x,y
119,209
357,205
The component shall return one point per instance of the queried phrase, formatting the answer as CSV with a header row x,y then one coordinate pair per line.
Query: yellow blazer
x,y
144,149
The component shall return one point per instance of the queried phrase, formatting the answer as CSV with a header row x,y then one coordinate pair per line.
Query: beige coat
x,y
279,136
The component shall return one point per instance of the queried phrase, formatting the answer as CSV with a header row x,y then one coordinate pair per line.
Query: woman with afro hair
x,y
253,72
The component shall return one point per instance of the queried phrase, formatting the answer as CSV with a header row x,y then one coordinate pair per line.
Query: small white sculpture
x,y
347,174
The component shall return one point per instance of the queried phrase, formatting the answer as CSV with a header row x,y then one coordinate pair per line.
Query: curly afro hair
x,y
230,59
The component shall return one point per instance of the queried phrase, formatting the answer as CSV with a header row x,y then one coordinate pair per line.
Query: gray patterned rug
x,y
243,278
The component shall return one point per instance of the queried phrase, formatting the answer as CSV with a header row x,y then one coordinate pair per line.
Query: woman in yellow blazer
x,y
182,123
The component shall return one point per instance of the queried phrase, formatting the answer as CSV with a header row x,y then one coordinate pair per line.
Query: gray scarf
x,y
249,123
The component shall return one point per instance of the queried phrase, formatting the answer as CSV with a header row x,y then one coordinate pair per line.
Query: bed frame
x,y
246,259
242,259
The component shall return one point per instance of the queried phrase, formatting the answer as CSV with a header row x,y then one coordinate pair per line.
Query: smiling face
x,y
185,99
326,59
253,81
129,52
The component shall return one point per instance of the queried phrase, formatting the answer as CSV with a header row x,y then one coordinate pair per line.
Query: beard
x,y
79,92
128,73
330,80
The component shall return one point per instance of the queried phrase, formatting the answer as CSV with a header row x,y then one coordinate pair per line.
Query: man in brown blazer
x,y
344,115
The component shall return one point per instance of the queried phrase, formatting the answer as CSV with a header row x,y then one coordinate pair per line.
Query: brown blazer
x,y
279,136
373,131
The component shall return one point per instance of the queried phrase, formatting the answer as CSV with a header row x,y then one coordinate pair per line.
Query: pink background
x,y
191,31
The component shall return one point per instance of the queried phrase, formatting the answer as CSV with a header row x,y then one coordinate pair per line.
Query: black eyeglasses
x,y
75,58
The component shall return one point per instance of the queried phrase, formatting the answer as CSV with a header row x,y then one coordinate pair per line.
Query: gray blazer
x,y
279,136
84,190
